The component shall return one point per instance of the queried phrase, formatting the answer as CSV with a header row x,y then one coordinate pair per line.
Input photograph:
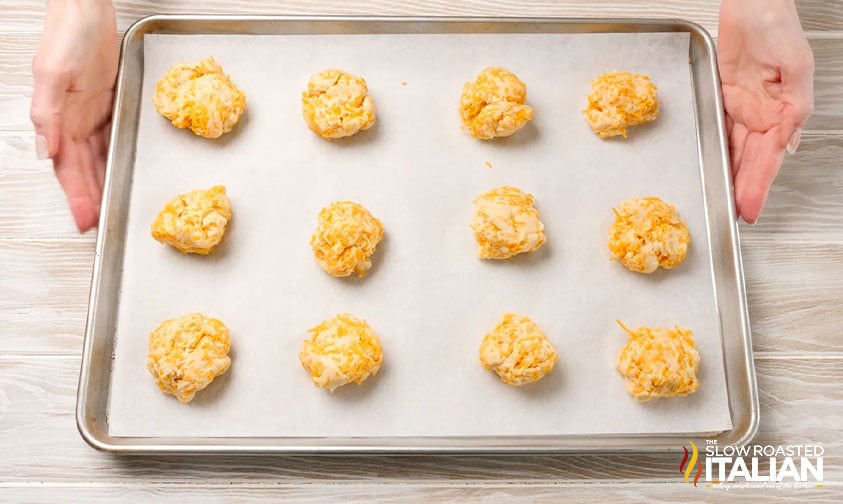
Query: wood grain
x,y
828,84
820,15
793,261
795,296
26,15
44,299
801,403
805,199
442,493
32,203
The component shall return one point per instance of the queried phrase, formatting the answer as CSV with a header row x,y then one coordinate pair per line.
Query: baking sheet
x,y
428,297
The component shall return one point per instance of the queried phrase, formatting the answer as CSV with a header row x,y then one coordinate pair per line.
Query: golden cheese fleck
x,y
199,96
493,104
341,350
337,104
517,350
506,223
659,362
647,234
187,353
619,100
194,222
345,238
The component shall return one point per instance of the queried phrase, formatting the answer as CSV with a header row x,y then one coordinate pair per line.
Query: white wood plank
x,y
820,15
795,296
442,493
44,295
32,203
806,199
16,53
801,402
828,84
26,15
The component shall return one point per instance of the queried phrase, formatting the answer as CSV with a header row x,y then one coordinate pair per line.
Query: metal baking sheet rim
x,y
723,238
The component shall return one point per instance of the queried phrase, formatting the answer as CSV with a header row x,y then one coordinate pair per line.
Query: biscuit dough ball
x,y
647,234
341,350
337,104
345,239
187,353
506,223
194,222
199,96
517,350
659,362
619,100
493,105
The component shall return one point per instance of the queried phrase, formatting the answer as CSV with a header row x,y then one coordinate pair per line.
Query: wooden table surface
x,y
794,273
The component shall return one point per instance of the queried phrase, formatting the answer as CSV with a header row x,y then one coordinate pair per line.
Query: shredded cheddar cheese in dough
x,y
517,350
199,96
659,362
345,239
337,104
194,222
341,350
493,105
619,100
647,234
506,223
187,353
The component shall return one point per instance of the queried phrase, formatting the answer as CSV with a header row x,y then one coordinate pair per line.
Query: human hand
x,y
767,72
74,69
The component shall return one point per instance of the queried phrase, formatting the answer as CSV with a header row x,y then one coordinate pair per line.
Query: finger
x,y
762,158
97,148
86,158
737,143
48,97
72,179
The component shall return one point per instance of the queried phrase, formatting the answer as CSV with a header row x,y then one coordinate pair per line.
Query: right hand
x,y
75,70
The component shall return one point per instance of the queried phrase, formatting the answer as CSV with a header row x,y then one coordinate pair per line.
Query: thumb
x,y
48,97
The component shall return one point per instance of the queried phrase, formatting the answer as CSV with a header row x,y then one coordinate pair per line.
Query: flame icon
x,y
690,467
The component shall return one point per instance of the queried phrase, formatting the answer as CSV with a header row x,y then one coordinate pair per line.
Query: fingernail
x,y
42,150
793,143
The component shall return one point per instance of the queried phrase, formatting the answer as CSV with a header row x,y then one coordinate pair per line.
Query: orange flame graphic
x,y
687,470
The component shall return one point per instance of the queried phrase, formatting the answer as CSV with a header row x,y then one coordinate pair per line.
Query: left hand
x,y
74,72
767,73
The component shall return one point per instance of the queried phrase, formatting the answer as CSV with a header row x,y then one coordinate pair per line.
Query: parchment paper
x,y
428,296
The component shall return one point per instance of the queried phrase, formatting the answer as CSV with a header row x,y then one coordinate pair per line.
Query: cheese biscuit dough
x,y
619,100
517,350
647,234
187,353
493,105
659,362
194,222
199,96
341,350
506,223
345,239
337,104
